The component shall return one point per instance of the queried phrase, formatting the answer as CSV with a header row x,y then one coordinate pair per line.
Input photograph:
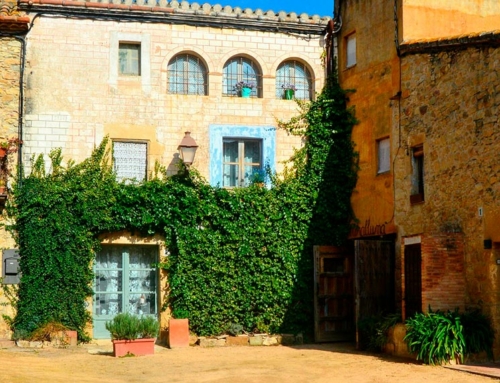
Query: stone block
x,y
241,340
287,339
210,342
256,340
270,340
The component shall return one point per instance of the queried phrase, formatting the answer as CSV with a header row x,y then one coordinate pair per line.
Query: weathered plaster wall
x,y
450,104
375,79
74,98
423,19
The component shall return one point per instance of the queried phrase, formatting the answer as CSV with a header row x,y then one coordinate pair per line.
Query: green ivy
x,y
241,256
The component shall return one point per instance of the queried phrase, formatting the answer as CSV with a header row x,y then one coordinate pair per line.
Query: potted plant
x,y
133,335
244,88
289,91
9,146
258,177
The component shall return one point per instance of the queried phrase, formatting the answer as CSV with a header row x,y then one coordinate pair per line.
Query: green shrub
x,y
478,333
374,329
126,326
438,337
148,327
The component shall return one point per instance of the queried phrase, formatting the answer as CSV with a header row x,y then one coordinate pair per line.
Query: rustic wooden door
x,y
334,294
375,292
413,279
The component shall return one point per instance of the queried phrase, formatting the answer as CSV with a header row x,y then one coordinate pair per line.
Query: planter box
x,y
134,347
178,333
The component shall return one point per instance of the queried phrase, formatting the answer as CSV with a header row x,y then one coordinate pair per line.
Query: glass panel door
x,y
125,281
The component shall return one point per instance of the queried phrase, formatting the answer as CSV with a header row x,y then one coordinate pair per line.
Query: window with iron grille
x,y
130,160
129,63
242,158
296,74
187,74
241,69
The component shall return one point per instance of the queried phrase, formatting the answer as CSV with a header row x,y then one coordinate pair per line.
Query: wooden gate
x,y
375,292
334,294
413,280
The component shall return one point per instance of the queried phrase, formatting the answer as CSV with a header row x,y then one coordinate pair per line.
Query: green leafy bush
x,y
438,337
125,326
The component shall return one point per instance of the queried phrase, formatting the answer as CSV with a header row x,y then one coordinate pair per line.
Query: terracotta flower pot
x,y
135,347
178,333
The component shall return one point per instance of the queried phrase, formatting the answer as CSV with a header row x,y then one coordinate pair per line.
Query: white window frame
x,y
242,178
383,155
350,51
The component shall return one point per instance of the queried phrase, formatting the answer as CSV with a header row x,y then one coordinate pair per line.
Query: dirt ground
x,y
307,363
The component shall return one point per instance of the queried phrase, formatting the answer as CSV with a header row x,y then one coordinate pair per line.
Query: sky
x,y
317,7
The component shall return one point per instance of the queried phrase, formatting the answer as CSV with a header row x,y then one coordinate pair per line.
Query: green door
x,y
125,281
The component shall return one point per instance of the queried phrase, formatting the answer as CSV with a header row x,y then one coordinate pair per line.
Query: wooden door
x,y
334,294
375,293
413,280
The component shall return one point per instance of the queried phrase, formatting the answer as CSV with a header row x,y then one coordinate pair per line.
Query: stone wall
x,y
10,50
450,105
75,98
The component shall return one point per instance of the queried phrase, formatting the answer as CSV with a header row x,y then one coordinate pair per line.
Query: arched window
x,y
294,74
187,75
240,70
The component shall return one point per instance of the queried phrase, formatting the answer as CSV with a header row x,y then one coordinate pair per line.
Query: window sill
x,y
417,199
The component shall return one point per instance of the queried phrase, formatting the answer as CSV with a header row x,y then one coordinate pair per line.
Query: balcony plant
x,y
289,91
133,335
244,88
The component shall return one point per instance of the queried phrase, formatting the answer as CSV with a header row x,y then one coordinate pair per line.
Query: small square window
x,y
350,50
242,161
417,178
383,155
129,62
130,160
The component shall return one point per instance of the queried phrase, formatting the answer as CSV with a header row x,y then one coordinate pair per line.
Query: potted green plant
x,y
133,335
244,88
289,91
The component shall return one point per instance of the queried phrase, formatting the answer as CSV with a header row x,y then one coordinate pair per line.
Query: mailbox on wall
x,y
11,273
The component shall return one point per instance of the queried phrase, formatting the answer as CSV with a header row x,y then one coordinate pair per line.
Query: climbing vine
x,y
241,256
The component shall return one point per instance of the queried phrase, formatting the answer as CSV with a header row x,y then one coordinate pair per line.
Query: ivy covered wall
x,y
235,256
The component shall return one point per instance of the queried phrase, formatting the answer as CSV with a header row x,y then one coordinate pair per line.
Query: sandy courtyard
x,y
308,363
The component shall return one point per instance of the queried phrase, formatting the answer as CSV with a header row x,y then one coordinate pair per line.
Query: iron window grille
x,y
241,69
297,74
187,74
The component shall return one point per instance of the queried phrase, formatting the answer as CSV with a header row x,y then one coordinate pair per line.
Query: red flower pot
x,y
135,347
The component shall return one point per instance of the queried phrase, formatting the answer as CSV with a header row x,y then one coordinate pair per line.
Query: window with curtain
x,y
125,281
241,69
130,160
296,74
242,160
383,155
187,75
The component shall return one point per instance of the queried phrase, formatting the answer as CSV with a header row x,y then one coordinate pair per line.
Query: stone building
x,y
426,81
13,26
144,75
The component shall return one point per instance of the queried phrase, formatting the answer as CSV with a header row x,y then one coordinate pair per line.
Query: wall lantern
x,y
187,149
